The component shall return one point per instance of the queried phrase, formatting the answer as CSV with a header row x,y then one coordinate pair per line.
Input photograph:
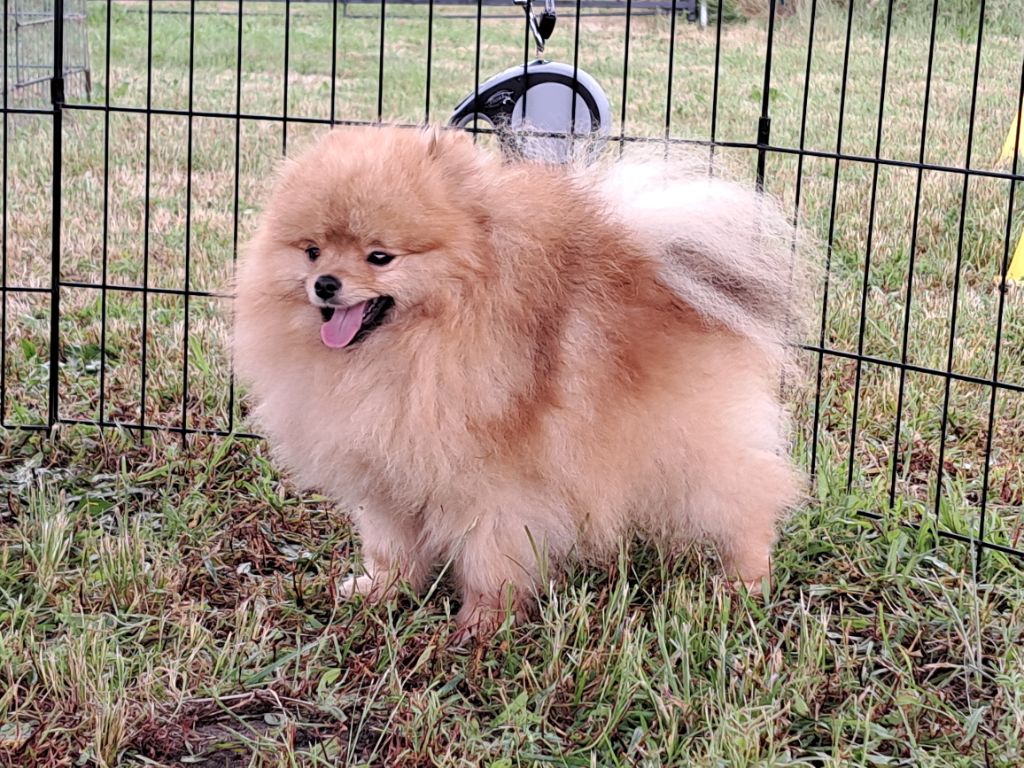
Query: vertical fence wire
x,y
866,281
958,271
238,177
380,65
146,216
334,58
575,71
102,414
764,123
829,246
671,71
713,132
188,214
284,95
798,186
57,102
430,60
911,261
527,40
625,74
996,352
476,64
3,235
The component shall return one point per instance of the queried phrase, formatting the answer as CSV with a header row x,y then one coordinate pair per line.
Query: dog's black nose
x,y
326,286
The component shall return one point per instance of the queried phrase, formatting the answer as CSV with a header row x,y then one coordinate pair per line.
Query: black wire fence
x,y
887,127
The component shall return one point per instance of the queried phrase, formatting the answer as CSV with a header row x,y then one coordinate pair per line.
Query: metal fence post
x,y
57,101
764,123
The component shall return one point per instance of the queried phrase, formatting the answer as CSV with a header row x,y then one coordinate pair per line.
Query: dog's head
x,y
368,226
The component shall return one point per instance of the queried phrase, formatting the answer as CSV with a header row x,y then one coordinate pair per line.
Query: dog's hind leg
x,y
739,482
739,503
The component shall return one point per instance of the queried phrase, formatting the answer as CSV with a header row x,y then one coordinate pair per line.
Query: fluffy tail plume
x,y
725,249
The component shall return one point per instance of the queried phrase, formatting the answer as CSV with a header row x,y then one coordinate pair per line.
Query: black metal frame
x,y
59,106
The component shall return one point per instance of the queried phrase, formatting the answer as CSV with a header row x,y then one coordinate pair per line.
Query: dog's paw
x,y
367,587
353,586
476,625
480,619
753,587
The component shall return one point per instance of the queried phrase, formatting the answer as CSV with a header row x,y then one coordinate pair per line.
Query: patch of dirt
x,y
222,730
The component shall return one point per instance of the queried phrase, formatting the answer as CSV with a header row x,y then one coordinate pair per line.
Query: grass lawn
x,y
166,604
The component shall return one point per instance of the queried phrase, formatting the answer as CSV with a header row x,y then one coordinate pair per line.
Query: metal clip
x,y
541,30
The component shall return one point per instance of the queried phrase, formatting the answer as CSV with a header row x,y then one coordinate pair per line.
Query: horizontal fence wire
x,y
181,418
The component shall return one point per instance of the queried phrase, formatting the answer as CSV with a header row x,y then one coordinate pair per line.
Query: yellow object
x,y
1016,271
1015,138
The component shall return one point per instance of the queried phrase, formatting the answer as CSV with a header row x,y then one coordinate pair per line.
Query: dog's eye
x,y
379,258
313,252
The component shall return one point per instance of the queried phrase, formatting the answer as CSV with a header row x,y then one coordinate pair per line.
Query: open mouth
x,y
344,326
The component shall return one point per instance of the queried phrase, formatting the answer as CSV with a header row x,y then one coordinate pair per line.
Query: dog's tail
x,y
723,248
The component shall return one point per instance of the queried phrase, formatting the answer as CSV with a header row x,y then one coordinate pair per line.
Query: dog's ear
x,y
433,136
452,151
462,164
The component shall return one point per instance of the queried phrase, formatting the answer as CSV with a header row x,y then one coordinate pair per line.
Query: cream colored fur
x,y
574,357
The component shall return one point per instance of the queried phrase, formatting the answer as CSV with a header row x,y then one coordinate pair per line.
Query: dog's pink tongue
x,y
343,326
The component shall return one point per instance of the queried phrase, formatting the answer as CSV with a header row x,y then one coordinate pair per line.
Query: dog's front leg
x,y
498,567
392,554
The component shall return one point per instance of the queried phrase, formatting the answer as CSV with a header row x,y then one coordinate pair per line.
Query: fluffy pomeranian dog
x,y
499,365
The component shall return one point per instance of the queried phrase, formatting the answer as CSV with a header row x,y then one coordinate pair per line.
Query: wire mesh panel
x,y
29,52
887,128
